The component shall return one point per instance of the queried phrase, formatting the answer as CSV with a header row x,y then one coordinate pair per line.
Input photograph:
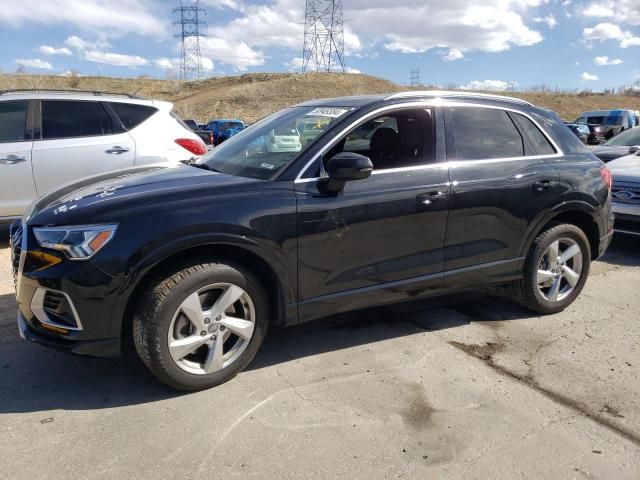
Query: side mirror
x,y
345,167
634,149
348,166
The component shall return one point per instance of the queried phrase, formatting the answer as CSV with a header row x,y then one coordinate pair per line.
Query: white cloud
x,y
610,31
239,55
488,85
108,18
604,60
294,65
587,77
550,20
116,59
220,4
78,43
452,55
49,50
351,70
620,11
417,26
34,63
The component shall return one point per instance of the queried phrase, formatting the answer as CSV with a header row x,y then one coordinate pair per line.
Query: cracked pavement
x,y
470,386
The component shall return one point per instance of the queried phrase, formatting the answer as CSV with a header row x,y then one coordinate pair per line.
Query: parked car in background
x,y
628,142
224,129
581,131
48,138
205,135
596,134
626,193
613,121
453,191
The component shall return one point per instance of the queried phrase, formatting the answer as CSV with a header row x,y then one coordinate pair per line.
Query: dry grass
x,y
255,95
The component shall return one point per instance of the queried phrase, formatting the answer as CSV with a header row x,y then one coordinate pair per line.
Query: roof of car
x,y
363,100
69,95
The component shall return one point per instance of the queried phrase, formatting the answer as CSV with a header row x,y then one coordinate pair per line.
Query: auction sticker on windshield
x,y
328,112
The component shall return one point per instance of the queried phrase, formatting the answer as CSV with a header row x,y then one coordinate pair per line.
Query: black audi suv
x,y
394,198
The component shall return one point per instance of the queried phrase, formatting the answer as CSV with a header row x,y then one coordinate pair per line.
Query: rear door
x,y
500,183
17,189
78,139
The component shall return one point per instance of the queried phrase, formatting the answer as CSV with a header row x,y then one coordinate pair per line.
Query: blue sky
x,y
482,44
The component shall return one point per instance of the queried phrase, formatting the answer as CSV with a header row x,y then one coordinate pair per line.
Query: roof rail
x,y
68,91
450,93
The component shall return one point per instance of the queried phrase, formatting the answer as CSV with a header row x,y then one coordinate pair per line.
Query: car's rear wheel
x,y
201,325
555,270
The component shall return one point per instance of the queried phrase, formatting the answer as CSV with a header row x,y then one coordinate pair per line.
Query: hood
x,y
84,201
625,169
609,152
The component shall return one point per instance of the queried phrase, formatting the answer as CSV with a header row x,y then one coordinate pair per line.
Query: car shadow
x,y
35,379
623,251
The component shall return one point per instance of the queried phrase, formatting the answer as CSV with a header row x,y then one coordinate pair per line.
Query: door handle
x,y
542,185
12,160
429,198
117,150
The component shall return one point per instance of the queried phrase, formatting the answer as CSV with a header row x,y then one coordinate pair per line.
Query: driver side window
x,y
401,138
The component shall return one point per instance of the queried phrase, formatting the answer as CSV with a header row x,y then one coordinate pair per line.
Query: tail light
x,y
211,138
605,173
194,146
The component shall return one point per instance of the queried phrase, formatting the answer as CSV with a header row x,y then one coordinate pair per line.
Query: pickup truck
x,y
224,129
204,134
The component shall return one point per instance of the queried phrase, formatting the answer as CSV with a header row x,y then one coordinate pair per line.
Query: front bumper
x,y
627,218
90,294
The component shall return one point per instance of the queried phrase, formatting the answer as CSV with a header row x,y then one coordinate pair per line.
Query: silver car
x,y
626,193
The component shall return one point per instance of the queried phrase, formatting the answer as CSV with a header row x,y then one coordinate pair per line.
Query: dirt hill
x,y
252,96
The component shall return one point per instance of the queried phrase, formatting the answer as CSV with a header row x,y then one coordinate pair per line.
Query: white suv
x,y
48,138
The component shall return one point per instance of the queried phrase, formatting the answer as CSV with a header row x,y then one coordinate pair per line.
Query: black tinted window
x,y
484,133
13,119
66,119
132,115
537,138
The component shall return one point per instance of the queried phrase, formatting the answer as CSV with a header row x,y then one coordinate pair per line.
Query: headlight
x,y
77,243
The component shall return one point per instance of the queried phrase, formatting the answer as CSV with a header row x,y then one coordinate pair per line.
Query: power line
x,y
323,48
190,33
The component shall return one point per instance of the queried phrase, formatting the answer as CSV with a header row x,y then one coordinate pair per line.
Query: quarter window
x,y
13,119
539,141
68,119
484,133
132,114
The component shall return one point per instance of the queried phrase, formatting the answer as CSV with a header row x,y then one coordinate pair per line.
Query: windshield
x,y
627,138
266,148
224,126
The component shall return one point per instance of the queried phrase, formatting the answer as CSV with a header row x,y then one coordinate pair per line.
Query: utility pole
x,y
323,48
190,34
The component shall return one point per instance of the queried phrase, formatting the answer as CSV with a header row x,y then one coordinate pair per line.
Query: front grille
x,y
53,301
627,226
624,192
15,241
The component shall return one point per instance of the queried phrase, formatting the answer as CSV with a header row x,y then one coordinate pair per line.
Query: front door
x,y
380,239
16,178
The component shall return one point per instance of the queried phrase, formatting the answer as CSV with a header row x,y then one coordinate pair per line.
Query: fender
x,y
541,220
163,251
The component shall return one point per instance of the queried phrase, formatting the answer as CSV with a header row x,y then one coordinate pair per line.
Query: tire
x,y
539,297
213,339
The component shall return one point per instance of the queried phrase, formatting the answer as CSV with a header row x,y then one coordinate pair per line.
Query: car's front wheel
x,y
555,270
200,326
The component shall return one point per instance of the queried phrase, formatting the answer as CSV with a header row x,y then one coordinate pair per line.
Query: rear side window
x,y
537,138
13,120
130,114
484,133
68,119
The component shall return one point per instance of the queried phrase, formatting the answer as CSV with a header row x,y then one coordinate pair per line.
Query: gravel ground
x,y
463,387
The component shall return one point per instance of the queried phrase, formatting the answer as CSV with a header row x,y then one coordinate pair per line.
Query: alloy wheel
x,y
211,328
559,270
